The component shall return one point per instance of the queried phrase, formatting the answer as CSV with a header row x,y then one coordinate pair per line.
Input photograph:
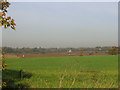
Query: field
x,y
63,72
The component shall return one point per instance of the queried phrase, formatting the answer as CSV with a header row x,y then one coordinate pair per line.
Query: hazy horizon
x,y
60,25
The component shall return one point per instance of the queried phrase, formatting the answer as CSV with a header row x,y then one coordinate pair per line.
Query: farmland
x,y
63,72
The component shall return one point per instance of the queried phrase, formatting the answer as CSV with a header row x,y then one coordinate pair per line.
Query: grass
x,y
64,72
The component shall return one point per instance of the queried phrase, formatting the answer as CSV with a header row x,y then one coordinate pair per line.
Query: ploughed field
x,y
63,72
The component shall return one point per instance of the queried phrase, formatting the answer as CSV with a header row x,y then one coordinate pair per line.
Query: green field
x,y
63,72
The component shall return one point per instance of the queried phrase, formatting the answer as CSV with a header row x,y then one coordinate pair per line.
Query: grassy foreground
x,y
63,72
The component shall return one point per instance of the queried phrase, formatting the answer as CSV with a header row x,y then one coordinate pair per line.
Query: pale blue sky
x,y
63,24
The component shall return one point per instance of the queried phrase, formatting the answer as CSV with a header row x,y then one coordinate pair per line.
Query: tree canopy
x,y
5,20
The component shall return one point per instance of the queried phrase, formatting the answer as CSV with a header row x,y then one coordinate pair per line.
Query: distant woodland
x,y
111,50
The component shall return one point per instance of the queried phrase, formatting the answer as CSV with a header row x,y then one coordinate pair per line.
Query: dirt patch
x,y
11,56
44,55
86,53
35,55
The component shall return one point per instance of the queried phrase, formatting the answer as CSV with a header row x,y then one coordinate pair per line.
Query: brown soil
x,y
10,56
51,55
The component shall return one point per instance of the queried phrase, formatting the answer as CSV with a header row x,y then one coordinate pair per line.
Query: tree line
x,y
10,50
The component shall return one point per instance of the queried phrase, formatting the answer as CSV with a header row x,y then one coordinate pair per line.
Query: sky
x,y
62,24
63,0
